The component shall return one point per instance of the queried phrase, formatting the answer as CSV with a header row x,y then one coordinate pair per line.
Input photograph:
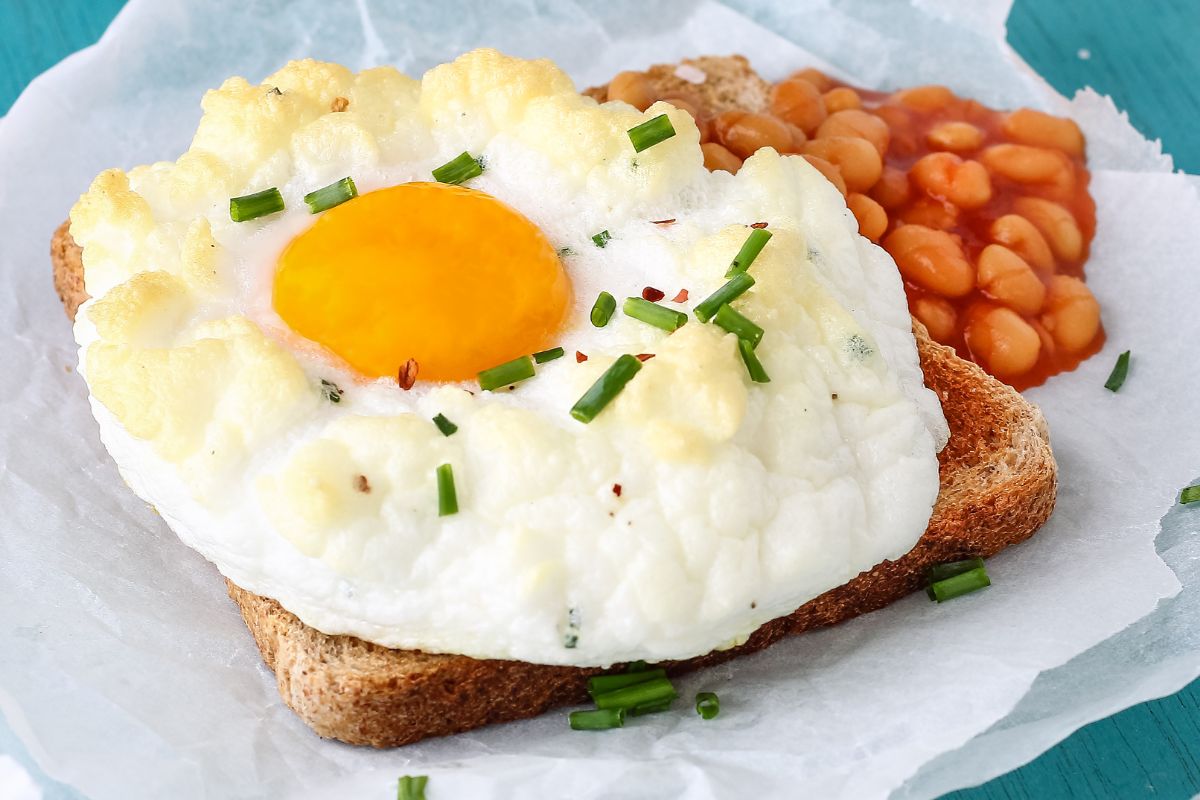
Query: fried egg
x,y
271,385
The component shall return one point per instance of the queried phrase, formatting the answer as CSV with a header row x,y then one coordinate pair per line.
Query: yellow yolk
x,y
449,276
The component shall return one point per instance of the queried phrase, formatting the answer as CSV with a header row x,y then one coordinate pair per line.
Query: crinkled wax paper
x,y
128,673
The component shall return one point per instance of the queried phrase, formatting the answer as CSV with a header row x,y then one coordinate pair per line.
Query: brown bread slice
x,y
998,483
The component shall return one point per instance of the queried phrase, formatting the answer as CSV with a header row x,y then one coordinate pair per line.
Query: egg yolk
x,y
449,276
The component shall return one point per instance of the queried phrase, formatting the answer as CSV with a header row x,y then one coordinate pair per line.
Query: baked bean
x,y
932,213
840,99
931,259
1027,126
1072,315
830,171
857,159
853,122
1007,343
1055,223
754,131
683,104
722,122
945,175
704,126
1019,235
798,138
958,137
633,88
924,98
814,76
938,317
872,219
1004,276
891,190
1025,164
717,157
799,102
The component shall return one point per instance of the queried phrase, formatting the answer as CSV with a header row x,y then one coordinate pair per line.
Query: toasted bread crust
x,y
729,83
998,484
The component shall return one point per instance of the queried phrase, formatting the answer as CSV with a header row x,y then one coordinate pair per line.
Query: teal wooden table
x,y
1146,56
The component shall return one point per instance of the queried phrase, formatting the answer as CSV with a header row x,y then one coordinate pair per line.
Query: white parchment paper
x,y
128,674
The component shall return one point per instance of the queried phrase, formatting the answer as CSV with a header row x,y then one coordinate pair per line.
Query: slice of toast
x,y
998,483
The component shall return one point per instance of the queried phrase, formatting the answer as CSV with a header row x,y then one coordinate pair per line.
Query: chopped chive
x,y
733,289
637,666
662,317
602,309
651,691
757,373
1116,379
332,195
651,132
597,719
651,708
253,206
753,245
444,425
460,169
601,238
736,323
447,496
412,787
548,355
333,393
607,683
708,705
506,374
940,572
606,388
963,583
1190,495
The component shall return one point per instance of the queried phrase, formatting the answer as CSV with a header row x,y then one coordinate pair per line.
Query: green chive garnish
x,y
607,683
940,572
637,666
332,195
753,245
333,393
708,705
253,206
651,708
601,238
463,168
548,355
1190,495
602,309
735,322
1117,378
733,289
444,425
651,132
597,719
963,583
645,693
653,314
506,374
412,787
757,373
447,496
607,387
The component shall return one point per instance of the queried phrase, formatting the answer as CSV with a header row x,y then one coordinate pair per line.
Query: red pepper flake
x,y
644,356
617,489
681,297
339,104
407,375
580,357
361,484
759,225
670,221
652,294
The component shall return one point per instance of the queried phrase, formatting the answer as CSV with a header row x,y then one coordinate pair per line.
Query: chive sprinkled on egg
x,y
651,132
668,319
734,288
606,388
253,206
506,374
753,245
548,355
458,170
447,495
333,393
758,373
444,425
735,322
332,195
602,309
601,238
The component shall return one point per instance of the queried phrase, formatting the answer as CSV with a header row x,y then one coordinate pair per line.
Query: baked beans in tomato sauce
x,y
986,213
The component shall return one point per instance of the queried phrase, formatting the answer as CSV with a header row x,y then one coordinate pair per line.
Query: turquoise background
x,y
1146,56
